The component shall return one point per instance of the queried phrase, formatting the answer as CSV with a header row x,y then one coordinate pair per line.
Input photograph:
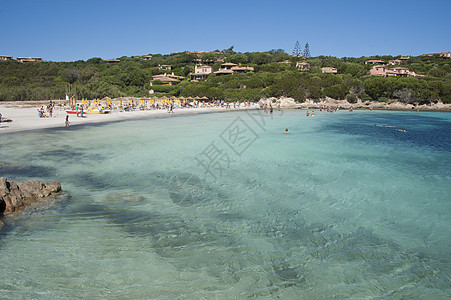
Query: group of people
x,y
170,106
80,108
45,112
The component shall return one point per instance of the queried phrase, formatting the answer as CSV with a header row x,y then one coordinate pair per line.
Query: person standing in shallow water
x,y
66,124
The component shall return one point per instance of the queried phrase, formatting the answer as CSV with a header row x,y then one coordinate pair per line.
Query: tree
x,y
274,51
405,95
94,60
228,51
337,91
297,49
238,58
71,76
306,50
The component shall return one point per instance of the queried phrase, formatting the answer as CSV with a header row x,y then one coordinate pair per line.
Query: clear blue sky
x,y
69,30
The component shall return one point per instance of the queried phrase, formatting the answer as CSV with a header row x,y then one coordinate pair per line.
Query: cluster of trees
x,y
275,75
298,51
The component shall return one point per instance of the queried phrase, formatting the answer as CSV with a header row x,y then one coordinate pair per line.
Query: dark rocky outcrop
x,y
15,196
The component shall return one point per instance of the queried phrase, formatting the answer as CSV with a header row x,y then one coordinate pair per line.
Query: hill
x,y
256,75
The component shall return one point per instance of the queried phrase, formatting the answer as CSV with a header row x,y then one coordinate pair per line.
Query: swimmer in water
x,y
286,130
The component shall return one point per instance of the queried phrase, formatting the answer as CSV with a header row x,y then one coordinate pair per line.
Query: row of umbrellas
x,y
132,100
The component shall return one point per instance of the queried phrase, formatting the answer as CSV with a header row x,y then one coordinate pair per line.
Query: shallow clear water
x,y
226,206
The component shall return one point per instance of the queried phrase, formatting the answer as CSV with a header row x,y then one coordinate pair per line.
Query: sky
x,y
70,30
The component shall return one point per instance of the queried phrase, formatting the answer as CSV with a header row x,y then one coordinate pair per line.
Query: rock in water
x,y
17,195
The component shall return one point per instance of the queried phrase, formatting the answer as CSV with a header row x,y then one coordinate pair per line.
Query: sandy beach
x,y
24,115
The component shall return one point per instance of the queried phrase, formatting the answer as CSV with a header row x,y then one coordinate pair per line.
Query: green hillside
x,y
275,74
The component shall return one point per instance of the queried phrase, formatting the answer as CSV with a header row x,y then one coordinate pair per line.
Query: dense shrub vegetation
x,y
275,75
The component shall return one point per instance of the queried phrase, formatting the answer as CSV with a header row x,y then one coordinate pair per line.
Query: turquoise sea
x,y
226,206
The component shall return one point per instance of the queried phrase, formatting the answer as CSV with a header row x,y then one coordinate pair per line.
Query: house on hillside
x,y
242,69
201,72
227,66
378,70
112,61
223,72
29,59
165,67
147,57
166,79
395,62
375,61
400,71
329,70
5,57
197,53
303,66
384,71
229,69
441,54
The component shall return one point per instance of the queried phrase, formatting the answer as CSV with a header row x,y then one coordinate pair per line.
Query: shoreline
x,y
25,118
391,105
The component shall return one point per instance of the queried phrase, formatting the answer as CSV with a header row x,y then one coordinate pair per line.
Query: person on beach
x,y
66,124
308,114
313,113
50,109
0,117
286,130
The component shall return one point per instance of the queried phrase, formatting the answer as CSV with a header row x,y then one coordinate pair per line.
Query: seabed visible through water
x,y
228,206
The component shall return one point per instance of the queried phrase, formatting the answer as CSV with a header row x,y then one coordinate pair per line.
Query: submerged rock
x,y
17,195
26,170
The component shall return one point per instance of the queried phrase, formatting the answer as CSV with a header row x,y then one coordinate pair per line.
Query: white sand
x,y
25,117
